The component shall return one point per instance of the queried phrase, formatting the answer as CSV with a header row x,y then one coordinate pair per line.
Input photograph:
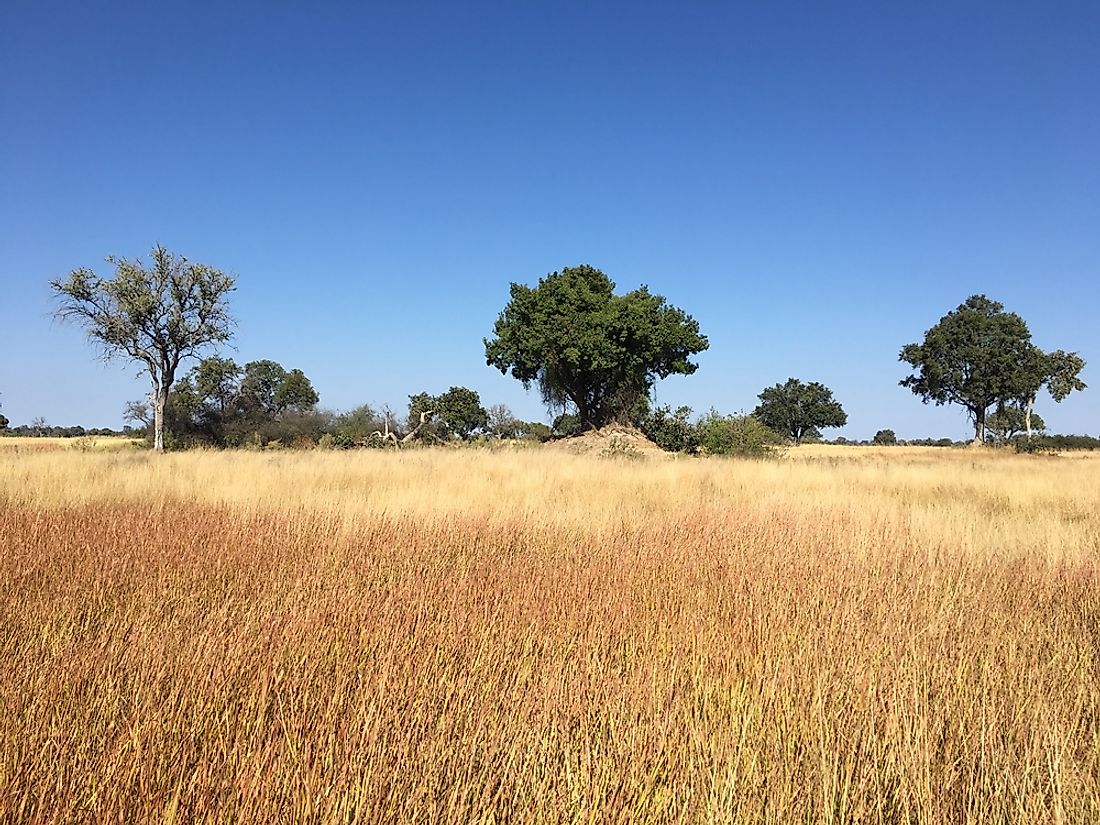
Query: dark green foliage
x,y
885,438
534,431
1061,371
1070,442
216,380
589,349
670,429
935,442
567,424
460,411
422,402
737,435
220,404
799,410
422,415
457,413
295,393
1009,421
57,431
979,356
1033,446
257,394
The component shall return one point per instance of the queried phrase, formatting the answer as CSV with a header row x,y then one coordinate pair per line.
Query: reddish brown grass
x,y
196,663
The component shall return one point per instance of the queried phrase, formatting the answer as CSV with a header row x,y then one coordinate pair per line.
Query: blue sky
x,y
815,183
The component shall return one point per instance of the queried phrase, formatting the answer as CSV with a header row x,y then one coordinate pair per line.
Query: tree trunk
x,y
1027,416
979,428
160,401
424,416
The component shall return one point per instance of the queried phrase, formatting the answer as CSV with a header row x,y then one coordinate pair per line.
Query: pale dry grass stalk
x,y
880,636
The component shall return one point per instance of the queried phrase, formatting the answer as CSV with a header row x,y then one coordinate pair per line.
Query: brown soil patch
x,y
613,440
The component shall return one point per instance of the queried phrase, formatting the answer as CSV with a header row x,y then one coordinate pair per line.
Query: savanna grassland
x,y
841,635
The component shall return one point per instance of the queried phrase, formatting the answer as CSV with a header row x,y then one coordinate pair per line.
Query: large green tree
x,y
590,349
978,356
156,315
798,410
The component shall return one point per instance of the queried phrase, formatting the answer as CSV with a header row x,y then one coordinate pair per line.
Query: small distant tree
x,y
1009,420
157,316
799,410
501,423
3,422
884,438
460,412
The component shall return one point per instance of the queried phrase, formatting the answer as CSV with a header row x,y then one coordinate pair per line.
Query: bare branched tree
x,y
389,436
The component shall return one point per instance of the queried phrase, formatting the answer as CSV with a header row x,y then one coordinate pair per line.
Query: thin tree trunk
x,y
1027,416
979,428
160,400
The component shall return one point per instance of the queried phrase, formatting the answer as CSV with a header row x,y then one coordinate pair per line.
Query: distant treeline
x,y
47,431
1021,442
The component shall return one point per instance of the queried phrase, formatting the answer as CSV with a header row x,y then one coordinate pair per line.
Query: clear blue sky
x,y
817,183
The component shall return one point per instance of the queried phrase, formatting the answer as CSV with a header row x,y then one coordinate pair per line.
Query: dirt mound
x,y
614,440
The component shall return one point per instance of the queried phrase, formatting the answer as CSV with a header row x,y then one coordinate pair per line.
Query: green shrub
x,y
738,435
671,429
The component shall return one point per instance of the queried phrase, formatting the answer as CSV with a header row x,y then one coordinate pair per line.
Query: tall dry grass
x,y
842,636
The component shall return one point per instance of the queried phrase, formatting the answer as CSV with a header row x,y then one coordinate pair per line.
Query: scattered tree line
x,y
594,355
40,429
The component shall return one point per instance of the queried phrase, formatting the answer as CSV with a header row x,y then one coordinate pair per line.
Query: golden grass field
x,y
895,635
